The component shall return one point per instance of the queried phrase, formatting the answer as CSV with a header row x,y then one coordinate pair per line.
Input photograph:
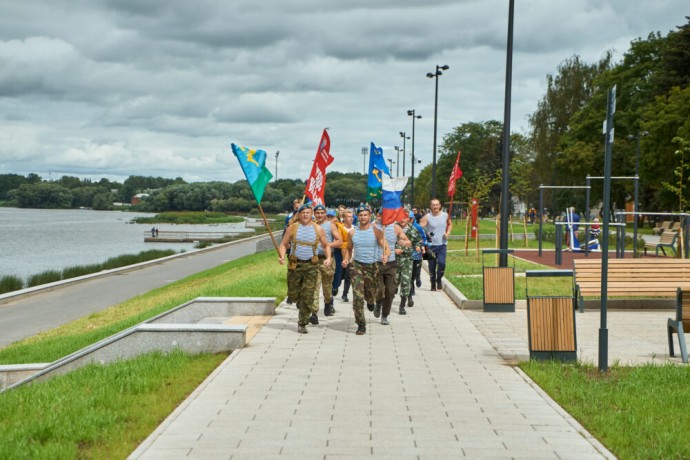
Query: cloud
x,y
121,87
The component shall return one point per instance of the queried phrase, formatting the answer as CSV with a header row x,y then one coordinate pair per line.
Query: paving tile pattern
x,y
428,386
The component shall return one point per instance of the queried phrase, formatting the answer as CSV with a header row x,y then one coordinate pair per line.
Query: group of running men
x,y
325,249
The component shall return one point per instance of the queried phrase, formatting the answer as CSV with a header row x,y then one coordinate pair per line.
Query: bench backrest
x,y
665,225
683,308
676,226
668,237
633,277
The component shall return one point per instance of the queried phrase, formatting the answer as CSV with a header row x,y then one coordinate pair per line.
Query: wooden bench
x,y
668,240
680,324
665,225
632,278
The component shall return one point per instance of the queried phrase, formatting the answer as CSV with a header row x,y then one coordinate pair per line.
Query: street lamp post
x,y
397,168
364,160
636,184
405,137
437,74
412,114
277,152
390,161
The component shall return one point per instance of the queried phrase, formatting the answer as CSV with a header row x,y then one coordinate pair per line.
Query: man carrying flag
x,y
377,167
316,184
303,237
391,212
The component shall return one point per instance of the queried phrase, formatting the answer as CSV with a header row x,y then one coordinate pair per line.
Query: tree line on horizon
x,y
564,144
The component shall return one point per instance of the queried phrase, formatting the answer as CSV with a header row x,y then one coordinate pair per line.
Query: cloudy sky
x,y
113,88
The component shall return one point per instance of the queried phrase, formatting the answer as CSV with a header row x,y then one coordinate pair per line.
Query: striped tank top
x,y
326,226
364,245
391,239
304,240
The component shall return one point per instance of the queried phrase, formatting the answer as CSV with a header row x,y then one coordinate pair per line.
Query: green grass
x,y
98,411
45,277
465,272
636,412
258,275
189,217
106,411
9,283
488,227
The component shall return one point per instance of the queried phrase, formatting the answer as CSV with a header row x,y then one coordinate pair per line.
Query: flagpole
x,y
261,210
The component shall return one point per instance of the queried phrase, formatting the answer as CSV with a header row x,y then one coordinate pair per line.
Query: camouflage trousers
x,y
325,280
404,275
301,287
364,285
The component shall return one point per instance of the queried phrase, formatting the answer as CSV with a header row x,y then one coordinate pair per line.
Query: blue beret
x,y
363,207
304,206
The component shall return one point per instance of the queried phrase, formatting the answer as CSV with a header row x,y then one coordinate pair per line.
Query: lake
x,y
36,240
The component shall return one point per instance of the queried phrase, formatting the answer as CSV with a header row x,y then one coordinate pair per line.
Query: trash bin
x,y
499,284
551,321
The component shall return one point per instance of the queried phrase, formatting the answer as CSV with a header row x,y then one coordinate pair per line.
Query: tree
x,y
680,172
567,93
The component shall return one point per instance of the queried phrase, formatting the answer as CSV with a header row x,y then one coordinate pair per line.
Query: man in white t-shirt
x,y
438,227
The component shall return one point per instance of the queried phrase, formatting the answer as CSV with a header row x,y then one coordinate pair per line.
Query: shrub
x,y
48,276
80,270
10,283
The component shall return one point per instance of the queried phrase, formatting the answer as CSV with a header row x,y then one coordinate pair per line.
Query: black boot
x,y
433,285
410,302
402,311
327,309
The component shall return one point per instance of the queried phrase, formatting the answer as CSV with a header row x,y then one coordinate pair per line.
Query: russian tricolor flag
x,y
392,206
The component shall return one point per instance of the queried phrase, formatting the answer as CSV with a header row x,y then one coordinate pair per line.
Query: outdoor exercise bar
x,y
558,258
636,207
541,204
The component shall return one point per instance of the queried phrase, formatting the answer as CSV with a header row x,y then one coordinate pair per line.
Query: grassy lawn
x,y
637,412
106,411
257,275
465,272
98,411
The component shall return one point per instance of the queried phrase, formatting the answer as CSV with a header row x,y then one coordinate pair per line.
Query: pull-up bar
x,y
616,177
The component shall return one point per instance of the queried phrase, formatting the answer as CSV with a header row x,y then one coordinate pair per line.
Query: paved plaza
x,y
436,383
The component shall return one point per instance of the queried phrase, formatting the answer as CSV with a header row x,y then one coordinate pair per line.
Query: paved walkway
x,y
430,385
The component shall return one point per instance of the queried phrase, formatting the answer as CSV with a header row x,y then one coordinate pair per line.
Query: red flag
x,y
316,184
454,176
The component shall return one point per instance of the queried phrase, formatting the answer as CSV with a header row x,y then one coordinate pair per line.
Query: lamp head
x,y
430,75
410,112
444,67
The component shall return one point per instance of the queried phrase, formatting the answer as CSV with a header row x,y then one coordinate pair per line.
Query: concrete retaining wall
x,y
193,327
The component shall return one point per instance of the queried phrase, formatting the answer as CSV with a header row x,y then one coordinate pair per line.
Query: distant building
x,y
136,199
